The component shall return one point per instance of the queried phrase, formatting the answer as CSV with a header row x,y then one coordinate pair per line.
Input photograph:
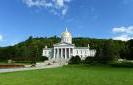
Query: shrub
x,y
75,60
43,58
89,60
123,64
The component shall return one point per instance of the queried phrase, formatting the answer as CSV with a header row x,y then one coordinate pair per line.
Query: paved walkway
x,y
30,68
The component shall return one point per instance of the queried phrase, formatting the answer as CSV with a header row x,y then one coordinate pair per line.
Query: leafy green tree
x,y
89,60
130,50
23,50
75,60
106,53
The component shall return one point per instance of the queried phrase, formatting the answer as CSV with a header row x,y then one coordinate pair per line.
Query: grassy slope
x,y
70,75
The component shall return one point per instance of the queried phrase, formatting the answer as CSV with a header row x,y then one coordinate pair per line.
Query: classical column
x,y
61,52
65,53
54,53
69,53
58,52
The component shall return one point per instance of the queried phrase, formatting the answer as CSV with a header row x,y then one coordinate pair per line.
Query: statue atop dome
x,y
66,29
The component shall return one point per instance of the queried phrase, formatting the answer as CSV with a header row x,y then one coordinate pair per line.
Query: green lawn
x,y
70,75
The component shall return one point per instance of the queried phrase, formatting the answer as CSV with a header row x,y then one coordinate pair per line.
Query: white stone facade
x,y
65,49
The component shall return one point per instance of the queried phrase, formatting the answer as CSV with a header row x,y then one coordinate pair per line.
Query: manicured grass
x,y
71,75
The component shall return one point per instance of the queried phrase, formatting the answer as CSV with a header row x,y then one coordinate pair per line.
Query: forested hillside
x,y
32,48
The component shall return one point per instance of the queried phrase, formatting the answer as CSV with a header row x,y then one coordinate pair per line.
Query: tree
x,y
106,53
130,49
22,51
75,60
43,58
34,52
89,60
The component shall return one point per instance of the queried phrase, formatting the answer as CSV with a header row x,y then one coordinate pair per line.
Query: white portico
x,y
65,49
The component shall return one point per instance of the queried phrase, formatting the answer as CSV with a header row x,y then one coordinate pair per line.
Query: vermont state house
x,y
65,49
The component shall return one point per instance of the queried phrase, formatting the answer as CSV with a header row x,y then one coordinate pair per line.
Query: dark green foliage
x,y
89,60
107,53
43,58
123,64
75,60
32,48
130,50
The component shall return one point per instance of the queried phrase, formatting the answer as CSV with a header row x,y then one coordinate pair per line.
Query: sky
x,y
106,19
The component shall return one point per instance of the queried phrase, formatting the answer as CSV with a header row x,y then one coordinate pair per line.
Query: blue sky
x,y
20,19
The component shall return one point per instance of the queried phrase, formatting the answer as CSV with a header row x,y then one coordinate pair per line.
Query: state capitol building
x,y
66,49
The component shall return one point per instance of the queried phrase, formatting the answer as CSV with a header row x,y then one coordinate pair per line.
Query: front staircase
x,y
60,62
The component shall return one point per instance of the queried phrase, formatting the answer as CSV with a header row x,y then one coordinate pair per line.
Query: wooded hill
x,y
31,49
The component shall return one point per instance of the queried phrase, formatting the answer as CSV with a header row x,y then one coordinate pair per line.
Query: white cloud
x,y
64,11
123,37
123,33
48,4
1,37
123,30
60,7
60,3
119,30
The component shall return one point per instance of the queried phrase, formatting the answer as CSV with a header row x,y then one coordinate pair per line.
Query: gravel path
x,y
29,68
